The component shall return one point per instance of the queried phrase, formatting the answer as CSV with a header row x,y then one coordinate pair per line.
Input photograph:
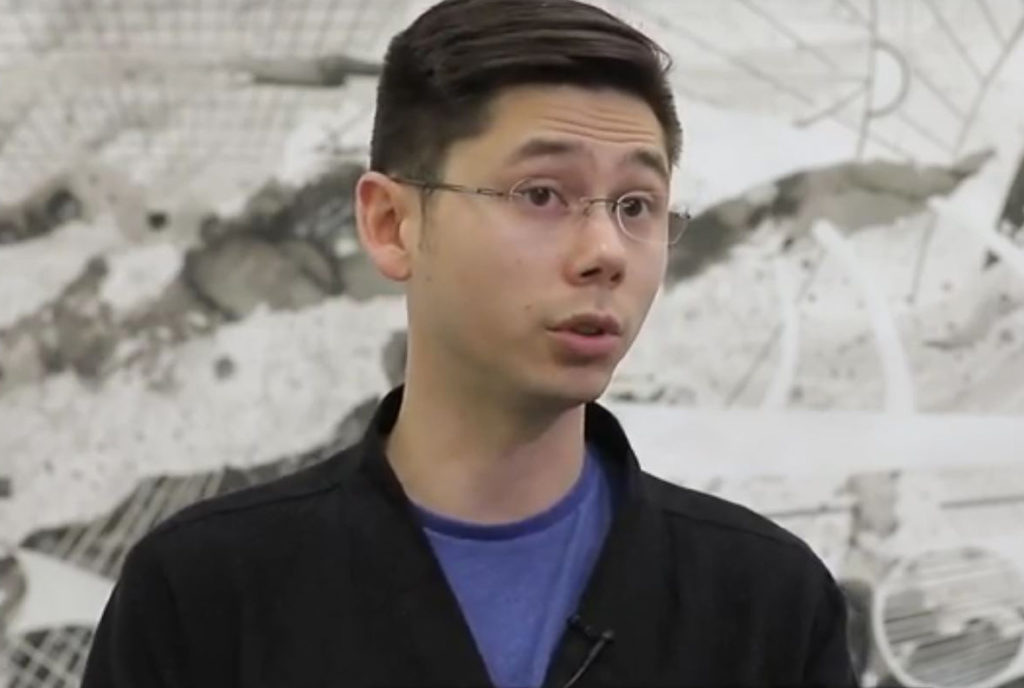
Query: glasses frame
x,y
583,202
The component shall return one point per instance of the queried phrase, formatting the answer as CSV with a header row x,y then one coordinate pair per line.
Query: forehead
x,y
597,122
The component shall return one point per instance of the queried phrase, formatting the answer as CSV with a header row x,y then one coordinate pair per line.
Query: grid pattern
x,y
30,662
823,60
54,658
955,618
161,81
163,86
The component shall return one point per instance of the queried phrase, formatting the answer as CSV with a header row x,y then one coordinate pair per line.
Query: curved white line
x,y
899,386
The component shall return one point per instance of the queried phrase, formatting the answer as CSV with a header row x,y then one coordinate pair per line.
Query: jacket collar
x,y
601,431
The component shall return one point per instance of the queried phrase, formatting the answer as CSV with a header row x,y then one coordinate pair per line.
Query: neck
x,y
470,455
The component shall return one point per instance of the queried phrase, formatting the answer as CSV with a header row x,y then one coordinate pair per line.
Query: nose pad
x,y
607,206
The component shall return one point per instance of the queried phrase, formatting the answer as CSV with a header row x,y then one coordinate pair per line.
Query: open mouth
x,y
590,325
588,330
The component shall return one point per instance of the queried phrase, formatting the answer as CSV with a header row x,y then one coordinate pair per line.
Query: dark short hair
x,y
443,71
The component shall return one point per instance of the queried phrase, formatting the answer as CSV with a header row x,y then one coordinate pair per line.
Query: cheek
x,y
654,273
494,284
643,292
493,272
652,283
516,288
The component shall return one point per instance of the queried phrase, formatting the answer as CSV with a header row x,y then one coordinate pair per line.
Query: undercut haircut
x,y
442,73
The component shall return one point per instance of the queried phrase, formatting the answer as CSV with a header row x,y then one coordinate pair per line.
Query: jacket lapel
x,y
629,580
426,613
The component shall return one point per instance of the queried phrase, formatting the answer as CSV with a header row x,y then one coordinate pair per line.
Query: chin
x,y
578,387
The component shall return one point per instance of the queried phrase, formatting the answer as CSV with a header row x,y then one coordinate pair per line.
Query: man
x,y
493,526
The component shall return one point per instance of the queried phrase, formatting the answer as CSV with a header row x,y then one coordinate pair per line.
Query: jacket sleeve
x,y
829,663
139,640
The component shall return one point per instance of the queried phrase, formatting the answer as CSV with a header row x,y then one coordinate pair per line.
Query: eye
x,y
540,197
636,206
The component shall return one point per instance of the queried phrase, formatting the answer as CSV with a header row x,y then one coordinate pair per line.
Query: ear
x,y
386,219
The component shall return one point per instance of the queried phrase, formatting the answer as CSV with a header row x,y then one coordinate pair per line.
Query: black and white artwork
x,y
839,344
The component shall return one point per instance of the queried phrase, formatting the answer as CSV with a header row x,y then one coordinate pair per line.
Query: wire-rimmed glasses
x,y
641,215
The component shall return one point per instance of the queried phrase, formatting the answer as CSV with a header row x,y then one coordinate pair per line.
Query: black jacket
x,y
325,578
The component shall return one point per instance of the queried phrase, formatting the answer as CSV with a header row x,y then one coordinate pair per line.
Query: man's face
x,y
490,286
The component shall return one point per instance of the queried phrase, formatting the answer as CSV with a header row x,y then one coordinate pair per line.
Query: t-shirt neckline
x,y
467,530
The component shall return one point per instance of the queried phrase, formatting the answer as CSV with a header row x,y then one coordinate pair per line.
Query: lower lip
x,y
583,346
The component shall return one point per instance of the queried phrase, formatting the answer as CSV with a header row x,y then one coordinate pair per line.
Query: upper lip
x,y
607,324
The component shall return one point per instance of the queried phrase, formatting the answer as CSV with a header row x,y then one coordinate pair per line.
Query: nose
x,y
598,252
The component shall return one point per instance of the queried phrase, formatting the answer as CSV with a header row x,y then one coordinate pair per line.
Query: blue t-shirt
x,y
518,583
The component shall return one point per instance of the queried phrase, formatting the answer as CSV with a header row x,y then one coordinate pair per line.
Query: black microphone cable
x,y
599,640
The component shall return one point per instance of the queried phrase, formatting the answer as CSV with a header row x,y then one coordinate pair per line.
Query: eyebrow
x,y
539,148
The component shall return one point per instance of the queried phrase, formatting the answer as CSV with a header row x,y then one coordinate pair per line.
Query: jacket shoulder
x,y
721,516
268,502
